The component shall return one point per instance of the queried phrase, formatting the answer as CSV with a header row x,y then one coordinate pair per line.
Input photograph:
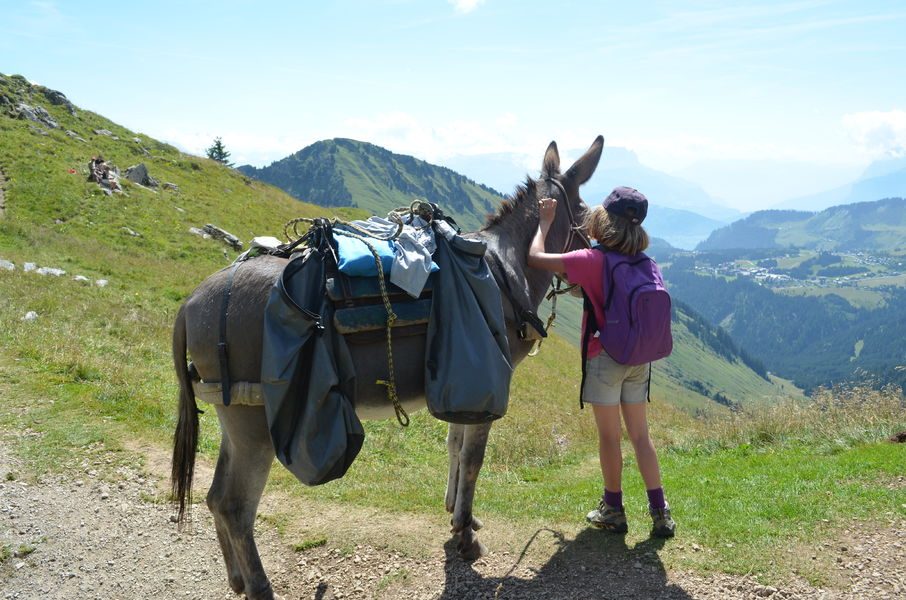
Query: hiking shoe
x,y
609,518
663,525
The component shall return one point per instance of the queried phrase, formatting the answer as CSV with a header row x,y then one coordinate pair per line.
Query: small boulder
x,y
59,99
44,117
27,112
30,316
139,174
225,236
36,114
106,132
171,186
7,265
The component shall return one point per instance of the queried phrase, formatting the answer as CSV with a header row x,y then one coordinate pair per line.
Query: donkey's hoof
x,y
476,524
237,584
469,551
266,593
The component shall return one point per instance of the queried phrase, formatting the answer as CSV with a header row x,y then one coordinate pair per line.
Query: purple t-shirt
x,y
586,268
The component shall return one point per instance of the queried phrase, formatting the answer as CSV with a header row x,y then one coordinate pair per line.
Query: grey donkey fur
x,y
246,453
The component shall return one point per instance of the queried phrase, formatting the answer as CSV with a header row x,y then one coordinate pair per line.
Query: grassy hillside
x,y
343,172
704,373
878,226
810,338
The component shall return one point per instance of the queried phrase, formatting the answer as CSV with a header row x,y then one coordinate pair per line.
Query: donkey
x,y
246,451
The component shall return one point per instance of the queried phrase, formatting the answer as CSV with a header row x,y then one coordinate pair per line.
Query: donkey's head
x,y
566,233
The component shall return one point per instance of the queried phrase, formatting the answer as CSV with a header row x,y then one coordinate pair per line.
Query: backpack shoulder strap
x,y
591,324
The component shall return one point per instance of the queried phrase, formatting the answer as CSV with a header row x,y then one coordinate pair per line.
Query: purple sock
x,y
656,498
613,498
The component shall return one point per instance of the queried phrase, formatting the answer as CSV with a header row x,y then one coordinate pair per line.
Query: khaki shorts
x,y
608,383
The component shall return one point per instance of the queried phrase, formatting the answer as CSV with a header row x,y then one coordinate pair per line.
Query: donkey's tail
x,y
185,439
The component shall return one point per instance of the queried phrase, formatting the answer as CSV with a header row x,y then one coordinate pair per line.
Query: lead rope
x,y
574,231
390,382
552,295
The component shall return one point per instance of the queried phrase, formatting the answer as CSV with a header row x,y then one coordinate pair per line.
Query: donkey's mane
x,y
509,205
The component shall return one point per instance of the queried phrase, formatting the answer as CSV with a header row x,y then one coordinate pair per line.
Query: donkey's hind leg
x,y
245,460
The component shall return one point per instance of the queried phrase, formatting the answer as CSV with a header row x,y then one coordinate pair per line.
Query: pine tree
x,y
218,152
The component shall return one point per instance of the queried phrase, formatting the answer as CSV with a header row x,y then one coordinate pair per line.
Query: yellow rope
x,y
361,234
390,382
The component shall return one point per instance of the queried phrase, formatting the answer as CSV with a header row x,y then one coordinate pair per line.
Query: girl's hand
x,y
547,208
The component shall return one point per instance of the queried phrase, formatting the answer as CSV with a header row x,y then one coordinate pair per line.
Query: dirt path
x,y
103,533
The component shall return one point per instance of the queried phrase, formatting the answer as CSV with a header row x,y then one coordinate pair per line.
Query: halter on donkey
x,y
246,451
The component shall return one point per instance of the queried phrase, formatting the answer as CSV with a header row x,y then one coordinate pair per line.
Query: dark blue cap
x,y
628,203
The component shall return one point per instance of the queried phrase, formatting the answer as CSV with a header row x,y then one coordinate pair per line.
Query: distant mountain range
x,y
677,206
878,225
882,179
344,172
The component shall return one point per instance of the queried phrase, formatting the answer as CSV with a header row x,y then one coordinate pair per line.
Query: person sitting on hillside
x,y
611,387
100,173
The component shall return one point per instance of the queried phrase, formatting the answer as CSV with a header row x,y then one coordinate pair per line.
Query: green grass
x,y
877,282
693,366
309,544
857,297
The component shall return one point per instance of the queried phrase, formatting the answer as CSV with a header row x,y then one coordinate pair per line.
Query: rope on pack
x,y
291,231
390,382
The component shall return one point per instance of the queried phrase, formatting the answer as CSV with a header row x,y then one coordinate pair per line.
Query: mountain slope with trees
x,y
344,172
815,341
876,226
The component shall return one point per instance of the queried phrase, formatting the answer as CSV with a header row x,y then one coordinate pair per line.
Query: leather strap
x,y
222,345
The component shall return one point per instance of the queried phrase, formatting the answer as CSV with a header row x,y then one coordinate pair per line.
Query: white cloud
x,y
878,133
245,148
403,132
465,6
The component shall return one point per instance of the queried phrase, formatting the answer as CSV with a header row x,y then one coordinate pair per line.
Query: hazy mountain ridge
x,y
885,178
345,172
678,206
878,225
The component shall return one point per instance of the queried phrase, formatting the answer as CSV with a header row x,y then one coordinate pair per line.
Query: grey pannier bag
x,y
467,360
307,376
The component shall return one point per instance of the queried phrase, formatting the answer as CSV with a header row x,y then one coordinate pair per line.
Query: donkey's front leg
x,y
471,457
455,434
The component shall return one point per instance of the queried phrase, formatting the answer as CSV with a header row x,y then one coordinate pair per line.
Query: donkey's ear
x,y
551,165
584,168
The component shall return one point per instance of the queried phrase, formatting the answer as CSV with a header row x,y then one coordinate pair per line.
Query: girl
x,y
611,388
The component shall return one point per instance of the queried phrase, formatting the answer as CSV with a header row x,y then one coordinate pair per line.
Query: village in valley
x,y
808,269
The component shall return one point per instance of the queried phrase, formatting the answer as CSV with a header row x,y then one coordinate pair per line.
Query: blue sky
x,y
687,85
